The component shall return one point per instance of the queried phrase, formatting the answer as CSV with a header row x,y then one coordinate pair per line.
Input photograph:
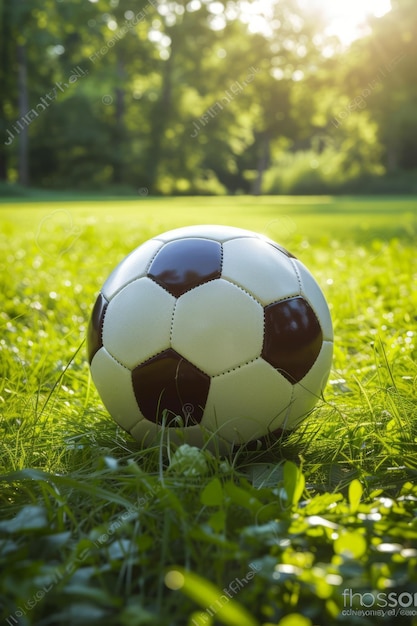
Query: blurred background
x,y
208,96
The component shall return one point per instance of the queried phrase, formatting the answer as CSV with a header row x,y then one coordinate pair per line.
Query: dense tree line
x,y
186,96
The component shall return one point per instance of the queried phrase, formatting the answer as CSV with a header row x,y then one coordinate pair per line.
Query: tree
x,y
25,38
5,81
198,97
382,75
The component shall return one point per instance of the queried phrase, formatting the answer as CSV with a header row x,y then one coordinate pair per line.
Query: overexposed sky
x,y
344,18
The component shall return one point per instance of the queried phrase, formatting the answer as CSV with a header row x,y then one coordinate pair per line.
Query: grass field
x,y
319,530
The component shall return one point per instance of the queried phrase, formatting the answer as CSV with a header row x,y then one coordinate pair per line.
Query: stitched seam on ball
x,y
143,274
297,273
324,341
210,280
171,328
296,295
176,352
318,395
221,259
154,255
103,318
129,282
307,299
237,367
231,282
117,360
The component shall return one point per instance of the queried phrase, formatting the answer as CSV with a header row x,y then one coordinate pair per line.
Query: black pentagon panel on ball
x,y
169,383
95,327
185,263
292,338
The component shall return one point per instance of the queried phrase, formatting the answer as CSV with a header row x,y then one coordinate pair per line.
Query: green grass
x,y
95,530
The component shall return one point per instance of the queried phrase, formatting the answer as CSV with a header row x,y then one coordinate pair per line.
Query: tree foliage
x,y
203,96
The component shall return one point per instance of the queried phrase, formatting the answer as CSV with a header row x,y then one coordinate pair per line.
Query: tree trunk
x,y
263,163
23,106
159,120
120,111
392,156
4,72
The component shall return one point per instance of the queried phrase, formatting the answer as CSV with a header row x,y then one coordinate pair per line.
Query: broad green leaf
x,y
217,521
355,494
322,502
29,518
212,494
350,544
242,497
294,619
294,482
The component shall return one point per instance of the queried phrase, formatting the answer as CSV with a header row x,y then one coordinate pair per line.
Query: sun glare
x,y
347,18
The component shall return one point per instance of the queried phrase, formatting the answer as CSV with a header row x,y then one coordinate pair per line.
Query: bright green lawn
x,y
94,530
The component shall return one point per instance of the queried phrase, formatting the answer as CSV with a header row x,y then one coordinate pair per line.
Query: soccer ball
x,y
210,333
